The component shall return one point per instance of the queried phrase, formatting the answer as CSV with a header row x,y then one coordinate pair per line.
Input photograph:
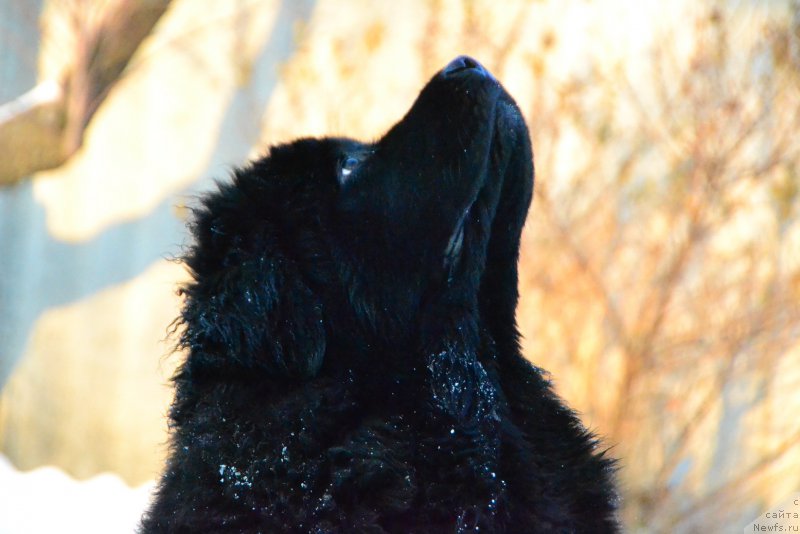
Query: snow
x,y
48,500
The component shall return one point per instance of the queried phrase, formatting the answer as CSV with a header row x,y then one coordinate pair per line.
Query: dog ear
x,y
248,305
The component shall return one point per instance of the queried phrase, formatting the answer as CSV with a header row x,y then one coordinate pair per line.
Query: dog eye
x,y
348,166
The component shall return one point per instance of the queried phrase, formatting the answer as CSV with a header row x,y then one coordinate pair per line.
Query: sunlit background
x,y
660,265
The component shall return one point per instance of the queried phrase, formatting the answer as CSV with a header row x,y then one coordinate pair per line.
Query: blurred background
x,y
661,259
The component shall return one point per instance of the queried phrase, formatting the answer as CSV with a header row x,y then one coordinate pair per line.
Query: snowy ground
x,y
47,500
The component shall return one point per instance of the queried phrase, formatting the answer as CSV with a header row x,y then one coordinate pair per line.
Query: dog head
x,y
337,242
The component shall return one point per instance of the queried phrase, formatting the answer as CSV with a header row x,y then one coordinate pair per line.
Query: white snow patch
x,y
48,500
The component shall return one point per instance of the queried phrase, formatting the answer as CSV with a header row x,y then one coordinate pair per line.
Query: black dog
x,y
354,363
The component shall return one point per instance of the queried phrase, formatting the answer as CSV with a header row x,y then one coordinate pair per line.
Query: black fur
x,y
354,363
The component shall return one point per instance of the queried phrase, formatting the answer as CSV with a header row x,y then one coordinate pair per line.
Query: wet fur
x,y
353,359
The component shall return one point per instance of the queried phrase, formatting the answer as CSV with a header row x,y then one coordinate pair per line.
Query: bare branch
x,y
41,131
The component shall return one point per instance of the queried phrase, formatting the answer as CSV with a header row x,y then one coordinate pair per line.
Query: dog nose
x,y
462,63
